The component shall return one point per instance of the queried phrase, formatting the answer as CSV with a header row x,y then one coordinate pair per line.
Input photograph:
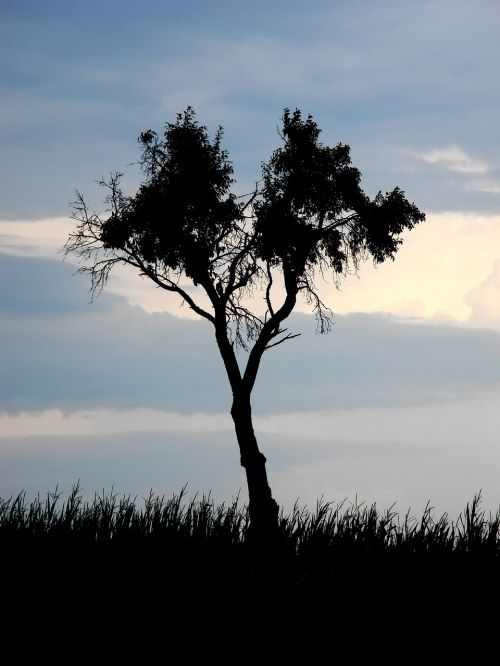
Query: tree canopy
x,y
307,215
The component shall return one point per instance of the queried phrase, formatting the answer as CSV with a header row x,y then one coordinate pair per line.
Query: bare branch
x,y
169,285
289,336
268,289
255,193
85,242
322,313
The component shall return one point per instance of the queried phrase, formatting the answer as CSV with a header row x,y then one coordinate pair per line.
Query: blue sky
x,y
413,88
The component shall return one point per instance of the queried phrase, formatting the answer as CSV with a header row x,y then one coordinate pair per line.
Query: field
x,y
111,551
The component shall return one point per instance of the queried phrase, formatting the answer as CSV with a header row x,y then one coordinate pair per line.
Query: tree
x,y
306,217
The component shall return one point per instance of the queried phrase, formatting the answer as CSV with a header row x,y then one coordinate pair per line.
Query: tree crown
x,y
308,213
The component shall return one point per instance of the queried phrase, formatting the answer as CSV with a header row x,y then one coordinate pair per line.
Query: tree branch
x,y
270,329
289,336
268,289
169,285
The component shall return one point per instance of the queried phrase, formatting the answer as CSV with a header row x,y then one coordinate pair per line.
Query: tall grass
x,y
184,548
111,518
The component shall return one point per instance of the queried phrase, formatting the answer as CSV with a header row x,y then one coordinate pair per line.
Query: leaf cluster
x,y
313,211
307,215
184,210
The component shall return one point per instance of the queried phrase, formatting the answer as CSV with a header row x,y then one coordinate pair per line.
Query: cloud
x,y
55,422
31,286
438,264
484,300
60,352
69,116
453,158
35,238
487,186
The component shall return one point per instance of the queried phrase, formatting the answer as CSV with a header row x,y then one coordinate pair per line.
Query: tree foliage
x,y
307,217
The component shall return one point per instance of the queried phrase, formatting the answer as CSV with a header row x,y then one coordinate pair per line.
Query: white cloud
x,y
45,238
433,425
484,300
453,158
439,264
54,422
37,238
488,186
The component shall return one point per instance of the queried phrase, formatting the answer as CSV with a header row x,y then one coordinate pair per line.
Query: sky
x,y
399,403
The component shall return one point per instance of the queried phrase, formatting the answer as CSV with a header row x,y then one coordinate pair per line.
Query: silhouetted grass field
x,y
176,554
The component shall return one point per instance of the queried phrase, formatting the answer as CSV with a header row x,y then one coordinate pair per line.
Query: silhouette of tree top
x,y
306,218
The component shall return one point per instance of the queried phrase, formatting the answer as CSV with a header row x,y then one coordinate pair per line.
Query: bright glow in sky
x,y
443,272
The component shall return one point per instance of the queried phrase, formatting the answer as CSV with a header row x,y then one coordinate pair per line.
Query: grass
x,y
182,553
175,522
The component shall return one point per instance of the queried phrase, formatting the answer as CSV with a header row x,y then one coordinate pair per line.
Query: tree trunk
x,y
262,507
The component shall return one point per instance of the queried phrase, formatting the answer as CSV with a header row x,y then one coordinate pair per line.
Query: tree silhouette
x,y
306,217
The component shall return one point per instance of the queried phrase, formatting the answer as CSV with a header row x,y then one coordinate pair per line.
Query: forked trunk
x,y
262,507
